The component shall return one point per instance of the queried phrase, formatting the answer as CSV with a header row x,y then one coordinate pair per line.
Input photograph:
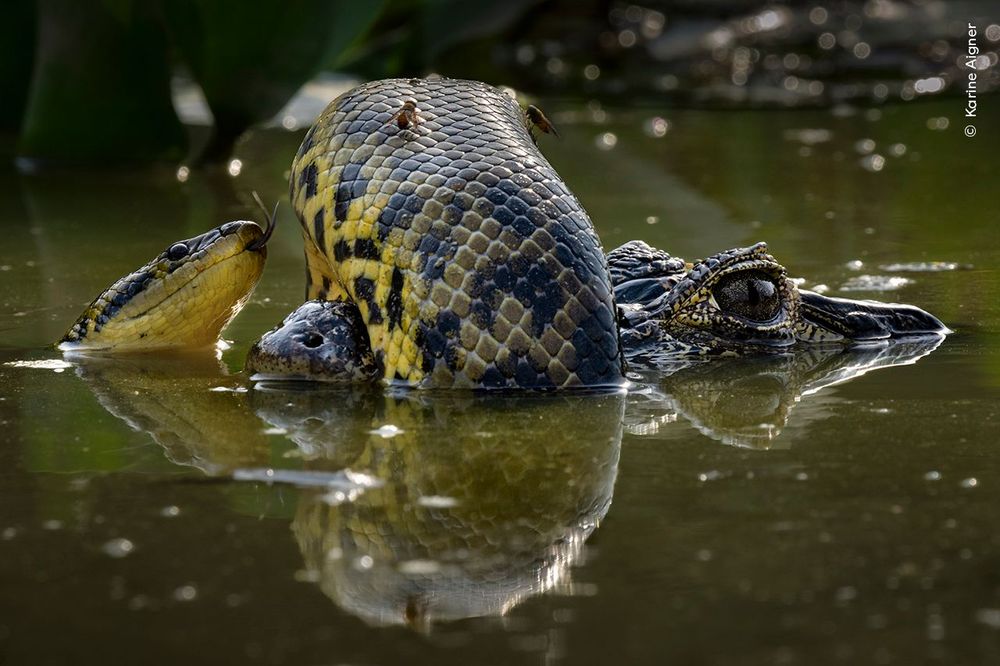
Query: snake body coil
x,y
426,204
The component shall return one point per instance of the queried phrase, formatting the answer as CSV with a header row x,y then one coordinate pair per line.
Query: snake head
x,y
182,298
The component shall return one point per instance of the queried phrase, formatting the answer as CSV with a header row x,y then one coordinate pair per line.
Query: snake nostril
x,y
312,340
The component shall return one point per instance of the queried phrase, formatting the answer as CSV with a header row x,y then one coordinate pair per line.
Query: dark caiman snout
x,y
864,320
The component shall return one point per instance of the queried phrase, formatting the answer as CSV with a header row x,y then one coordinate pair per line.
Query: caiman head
x,y
742,301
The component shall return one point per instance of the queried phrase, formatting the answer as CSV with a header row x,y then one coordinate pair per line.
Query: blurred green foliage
x,y
249,62
101,76
101,86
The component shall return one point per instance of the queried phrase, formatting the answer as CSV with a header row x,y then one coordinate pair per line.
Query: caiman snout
x,y
867,320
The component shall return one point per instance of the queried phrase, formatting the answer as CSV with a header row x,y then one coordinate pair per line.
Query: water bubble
x,y
818,15
667,82
591,72
928,86
938,123
55,364
862,50
971,482
711,475
989,616
138,602
524,54
364,563
8,533
935,627
555,66
897,149
235,167
993,32
656,127
925,266
171,511
387,431
228,389
52,525
652,219
873,163
821,288
606,141
627,38
855,265
419,567
186,593
289,122
875,283
932,475
704,555
306,576
652,24
118,548
864,146
437,502
183,173
827,41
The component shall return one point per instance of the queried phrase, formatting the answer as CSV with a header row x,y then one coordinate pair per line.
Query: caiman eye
x,y
750,295
177,251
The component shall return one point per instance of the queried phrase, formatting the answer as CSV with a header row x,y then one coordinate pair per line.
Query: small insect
x,y
537,120
407,117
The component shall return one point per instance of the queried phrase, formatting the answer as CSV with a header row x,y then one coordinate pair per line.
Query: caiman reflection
x,y
748,401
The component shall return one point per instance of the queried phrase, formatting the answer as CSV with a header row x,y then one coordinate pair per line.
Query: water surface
x,y
820,509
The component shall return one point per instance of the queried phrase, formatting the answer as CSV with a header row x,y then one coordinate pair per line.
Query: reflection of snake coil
x,y
469,521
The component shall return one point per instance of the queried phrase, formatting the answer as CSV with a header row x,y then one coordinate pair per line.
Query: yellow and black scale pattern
x,y
471,262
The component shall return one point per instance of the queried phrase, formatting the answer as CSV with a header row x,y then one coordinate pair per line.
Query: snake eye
x,y
751,295
177,251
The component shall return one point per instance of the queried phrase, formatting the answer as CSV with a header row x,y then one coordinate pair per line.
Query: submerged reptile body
x,y
470,261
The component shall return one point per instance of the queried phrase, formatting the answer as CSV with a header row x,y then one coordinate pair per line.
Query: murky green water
x,y
812,510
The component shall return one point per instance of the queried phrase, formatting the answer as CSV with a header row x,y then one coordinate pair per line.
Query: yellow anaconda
x,y
425,203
